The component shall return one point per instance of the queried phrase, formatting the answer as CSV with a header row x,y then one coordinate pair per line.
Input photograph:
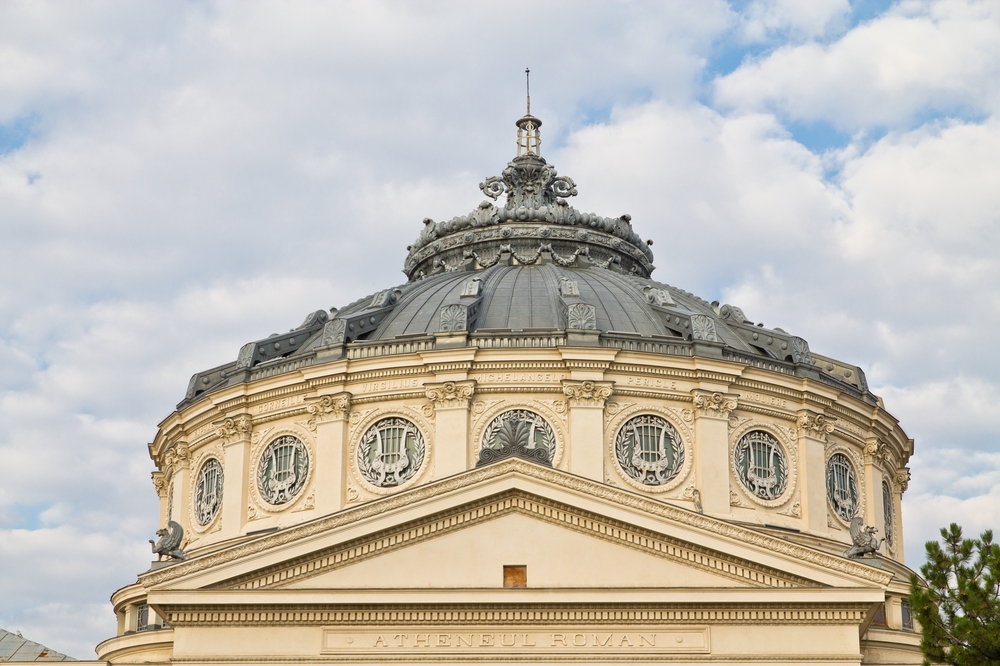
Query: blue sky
x,y
177,179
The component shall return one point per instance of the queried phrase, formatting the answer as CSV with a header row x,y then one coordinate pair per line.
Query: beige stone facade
x,y
681,492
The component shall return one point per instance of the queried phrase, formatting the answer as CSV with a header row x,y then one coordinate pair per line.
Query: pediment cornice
x,y
518,468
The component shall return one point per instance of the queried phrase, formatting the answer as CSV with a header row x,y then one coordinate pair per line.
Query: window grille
x,y
761,465
208,493
649,450
283,469
142,618
907,614
879,619
390,452
887,511
842,486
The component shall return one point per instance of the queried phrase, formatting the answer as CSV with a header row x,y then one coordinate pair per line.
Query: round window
x,y
390,452
649,450
520,429
761,465
842,486
283,469
208,492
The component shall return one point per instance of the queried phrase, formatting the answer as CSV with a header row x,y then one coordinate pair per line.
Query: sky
x,y
179,178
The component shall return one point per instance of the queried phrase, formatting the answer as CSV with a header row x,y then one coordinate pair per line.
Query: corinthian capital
x,y
160,483
713,404
815,425
450,395
234,428
587,393
336,406
902,479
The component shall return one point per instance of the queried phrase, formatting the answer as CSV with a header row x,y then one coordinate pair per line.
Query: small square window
x,y
515,575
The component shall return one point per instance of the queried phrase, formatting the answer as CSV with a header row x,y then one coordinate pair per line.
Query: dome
x,y
532,272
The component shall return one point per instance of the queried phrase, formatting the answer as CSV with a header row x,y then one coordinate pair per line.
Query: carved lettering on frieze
x,y
388,385
651,382
587,393
505,640
517,377
713,404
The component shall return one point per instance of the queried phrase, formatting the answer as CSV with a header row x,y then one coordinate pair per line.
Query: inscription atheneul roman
x,y
515,639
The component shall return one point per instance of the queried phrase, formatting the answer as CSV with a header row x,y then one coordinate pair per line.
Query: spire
x,y
529,139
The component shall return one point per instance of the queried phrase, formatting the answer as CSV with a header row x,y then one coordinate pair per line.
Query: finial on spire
x,y
529,139
527,85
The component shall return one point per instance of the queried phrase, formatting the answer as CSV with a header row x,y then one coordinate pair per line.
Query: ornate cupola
x,y
536,225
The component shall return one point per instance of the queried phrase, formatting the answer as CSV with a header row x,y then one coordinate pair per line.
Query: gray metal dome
x,y
534,273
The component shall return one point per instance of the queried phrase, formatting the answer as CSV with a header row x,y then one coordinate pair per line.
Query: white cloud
x,y
202,175
917,59
800,20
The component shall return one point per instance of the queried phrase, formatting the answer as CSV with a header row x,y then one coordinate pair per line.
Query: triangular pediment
x,y
570,532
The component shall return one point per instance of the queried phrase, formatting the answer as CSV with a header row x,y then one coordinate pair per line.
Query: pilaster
x,y
711,438
902,481
450,401
329,415
813,431
178,466
235,432
586,426
873,449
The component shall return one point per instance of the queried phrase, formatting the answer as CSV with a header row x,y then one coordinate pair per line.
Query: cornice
x,y
553,476
520,614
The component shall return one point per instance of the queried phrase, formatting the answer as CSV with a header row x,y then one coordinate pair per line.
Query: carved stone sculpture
x,y
168,543
865,543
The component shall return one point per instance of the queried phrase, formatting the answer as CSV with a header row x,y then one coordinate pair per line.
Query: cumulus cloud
x,y
197,176
915,60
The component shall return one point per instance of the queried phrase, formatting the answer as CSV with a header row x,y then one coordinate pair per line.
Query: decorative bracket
x,y
234,428
450,395
713,404
587,393
814,425
335,407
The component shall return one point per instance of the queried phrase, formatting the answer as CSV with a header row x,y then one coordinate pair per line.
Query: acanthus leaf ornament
x,y
336,407
903,479
703,328
581,316
714,404
450,394
334,332
587,393
815,425
453,318
234,428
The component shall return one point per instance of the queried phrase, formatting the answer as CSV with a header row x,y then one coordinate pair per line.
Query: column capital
x,y
333,407
450,395
587,393
875,451
813,424
160,483
902,479
713,404
236,428
176,456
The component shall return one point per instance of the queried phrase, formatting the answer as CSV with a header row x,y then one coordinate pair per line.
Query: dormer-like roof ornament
x,y
535,224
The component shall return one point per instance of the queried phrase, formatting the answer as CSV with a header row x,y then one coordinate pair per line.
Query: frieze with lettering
x,y
482,641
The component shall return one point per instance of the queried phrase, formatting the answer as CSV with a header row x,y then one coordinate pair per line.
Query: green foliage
x,y
959,610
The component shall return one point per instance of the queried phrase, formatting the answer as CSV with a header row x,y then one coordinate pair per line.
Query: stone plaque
x,y
552,642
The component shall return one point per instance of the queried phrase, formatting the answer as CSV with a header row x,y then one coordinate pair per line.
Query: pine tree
x,y
958,608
